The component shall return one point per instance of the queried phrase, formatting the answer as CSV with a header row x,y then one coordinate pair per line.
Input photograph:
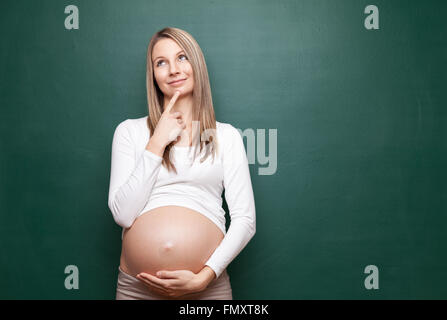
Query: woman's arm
x,y
131,180
240,200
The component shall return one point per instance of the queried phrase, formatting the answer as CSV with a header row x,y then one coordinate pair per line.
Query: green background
x,y
360,116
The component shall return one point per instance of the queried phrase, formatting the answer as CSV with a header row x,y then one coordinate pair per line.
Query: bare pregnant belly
x,y
169,238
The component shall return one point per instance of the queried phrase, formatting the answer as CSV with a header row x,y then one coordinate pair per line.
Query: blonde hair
x,y
203,110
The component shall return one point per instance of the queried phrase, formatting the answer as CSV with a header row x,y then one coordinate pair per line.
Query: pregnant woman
x,y
168,172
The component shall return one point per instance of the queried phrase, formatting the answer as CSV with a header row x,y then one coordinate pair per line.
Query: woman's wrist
x,y
155,147
205,277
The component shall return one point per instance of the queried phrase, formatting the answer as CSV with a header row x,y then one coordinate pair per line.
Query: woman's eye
x,y
159,61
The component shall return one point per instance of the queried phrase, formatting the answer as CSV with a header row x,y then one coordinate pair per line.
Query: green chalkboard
x,y
352,172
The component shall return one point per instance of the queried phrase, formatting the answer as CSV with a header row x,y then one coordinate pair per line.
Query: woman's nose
x,y
174,68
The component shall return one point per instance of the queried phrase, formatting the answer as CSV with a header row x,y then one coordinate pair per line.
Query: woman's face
x,y
170,64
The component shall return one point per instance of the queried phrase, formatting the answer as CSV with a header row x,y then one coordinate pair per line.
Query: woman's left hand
x,y
172,283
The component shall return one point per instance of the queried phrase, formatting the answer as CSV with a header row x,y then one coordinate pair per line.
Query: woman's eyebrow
x,y
163,57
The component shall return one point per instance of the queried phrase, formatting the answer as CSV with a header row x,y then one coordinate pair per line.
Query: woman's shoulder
x,y
134,123
132,128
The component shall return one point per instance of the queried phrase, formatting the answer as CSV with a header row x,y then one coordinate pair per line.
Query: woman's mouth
x,y
177,83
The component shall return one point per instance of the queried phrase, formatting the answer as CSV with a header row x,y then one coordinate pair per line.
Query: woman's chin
x,y
184,91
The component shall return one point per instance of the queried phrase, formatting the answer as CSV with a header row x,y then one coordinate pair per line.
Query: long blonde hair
x,y
203,110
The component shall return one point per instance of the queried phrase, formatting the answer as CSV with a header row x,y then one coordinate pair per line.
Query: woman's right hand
x,y
170,125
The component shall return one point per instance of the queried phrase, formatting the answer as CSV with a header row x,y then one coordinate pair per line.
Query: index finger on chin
x,y
173,99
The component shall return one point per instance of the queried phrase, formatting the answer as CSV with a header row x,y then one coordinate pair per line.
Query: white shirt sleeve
x,y
131,180
240,200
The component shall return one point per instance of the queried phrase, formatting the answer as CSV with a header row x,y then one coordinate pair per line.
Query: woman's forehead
x,y
165,46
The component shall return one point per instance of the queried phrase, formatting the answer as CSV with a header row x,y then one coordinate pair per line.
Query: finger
x,y
149,279
151,283
173,284
169,282
159,282
169,274
171,103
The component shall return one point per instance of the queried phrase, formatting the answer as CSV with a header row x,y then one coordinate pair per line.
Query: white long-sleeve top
x,y
139,183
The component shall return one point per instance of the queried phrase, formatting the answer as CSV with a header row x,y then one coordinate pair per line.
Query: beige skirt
x,y
130,288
